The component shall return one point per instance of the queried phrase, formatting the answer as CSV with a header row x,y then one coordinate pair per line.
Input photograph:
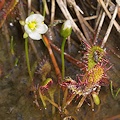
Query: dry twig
x,y
52,11
109,15
85,26
100,24
74,26
109,27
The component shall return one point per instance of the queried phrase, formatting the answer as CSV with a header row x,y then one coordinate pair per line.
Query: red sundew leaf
x,y
2,2
6,9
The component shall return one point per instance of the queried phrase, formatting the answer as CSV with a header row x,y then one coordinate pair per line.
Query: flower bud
x,y
96,98
66,29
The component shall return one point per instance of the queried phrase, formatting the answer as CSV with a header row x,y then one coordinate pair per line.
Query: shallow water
x,y
16,103
16,98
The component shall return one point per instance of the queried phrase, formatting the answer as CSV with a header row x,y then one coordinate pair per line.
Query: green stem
x,y
42,98
27,58
117,92
44,5
62,57
111,88
52,99
113,94
53,103
12,46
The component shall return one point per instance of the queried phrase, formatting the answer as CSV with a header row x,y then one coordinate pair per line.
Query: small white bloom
x,y
34,26
67,24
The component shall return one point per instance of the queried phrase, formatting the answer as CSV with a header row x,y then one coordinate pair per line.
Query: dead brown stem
x,y
81,102
52,11
109,15
109,27
100,23
57,70
85,26
74,26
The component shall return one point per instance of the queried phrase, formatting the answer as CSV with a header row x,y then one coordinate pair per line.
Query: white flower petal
x,y
67,24
35,36
39,18
27,29
35,17
41,28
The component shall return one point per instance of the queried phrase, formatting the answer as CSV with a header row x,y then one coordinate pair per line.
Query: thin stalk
x,y
53,103
57,70
29,7
27,59
69,101
44,8
52,99
12,46
62,57
111,89
81,102
16,61
112,92
65,97
117,92
52,11
42,98
68,57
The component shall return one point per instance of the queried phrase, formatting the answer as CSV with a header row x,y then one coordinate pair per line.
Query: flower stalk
x,y
62,57
34,28
65,32
27,59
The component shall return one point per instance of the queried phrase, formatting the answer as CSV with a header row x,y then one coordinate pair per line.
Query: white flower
x,y
67,24
34,26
